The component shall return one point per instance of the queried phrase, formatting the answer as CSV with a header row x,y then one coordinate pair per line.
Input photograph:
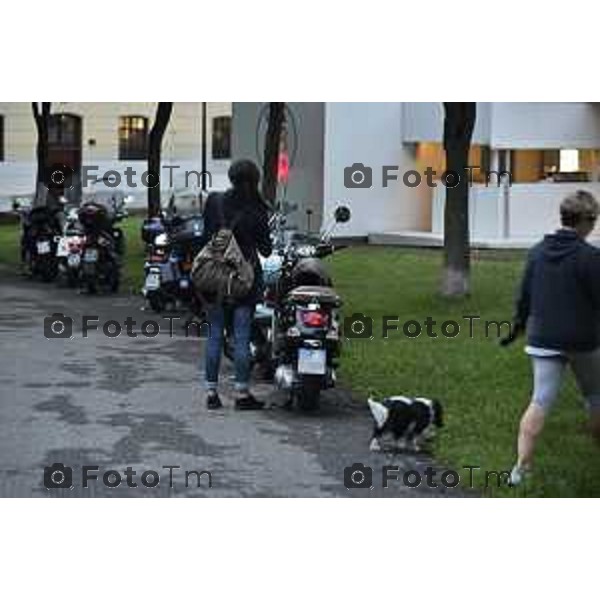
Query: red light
x,y
314,318
283,167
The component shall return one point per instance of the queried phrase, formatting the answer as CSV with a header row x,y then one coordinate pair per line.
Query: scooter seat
x,y
308,293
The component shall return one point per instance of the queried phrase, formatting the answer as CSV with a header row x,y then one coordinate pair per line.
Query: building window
x,y
221,138
64,131
133,138
569,161
1,138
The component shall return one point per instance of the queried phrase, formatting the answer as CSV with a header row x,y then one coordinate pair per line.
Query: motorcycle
x,y
40,230
70,246
172,243
103,245
296,329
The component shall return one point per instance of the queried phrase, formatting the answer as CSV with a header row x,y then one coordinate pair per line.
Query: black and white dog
x,y
410,421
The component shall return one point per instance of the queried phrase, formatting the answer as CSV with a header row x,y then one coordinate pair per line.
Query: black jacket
x,y
250,222
559,297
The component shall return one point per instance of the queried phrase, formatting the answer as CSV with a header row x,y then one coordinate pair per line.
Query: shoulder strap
x,y
222,219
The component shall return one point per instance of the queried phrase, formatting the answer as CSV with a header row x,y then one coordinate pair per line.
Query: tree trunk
x,y
41,117
155,138
271,152
458,130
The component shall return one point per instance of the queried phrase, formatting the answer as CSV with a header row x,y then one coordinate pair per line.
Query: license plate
x,y
62,249
91,255
43,247
73,260
152,281
312,362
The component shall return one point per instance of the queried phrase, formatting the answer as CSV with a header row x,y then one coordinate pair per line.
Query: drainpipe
x,y
204,150
506,195
503,212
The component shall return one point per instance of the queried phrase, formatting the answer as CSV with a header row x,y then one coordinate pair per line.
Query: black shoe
x,y
249,402
213,401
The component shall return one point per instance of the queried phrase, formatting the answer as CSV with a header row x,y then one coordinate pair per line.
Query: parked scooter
x,y
296,330
40,230
307,340
103,246
173,240
70,246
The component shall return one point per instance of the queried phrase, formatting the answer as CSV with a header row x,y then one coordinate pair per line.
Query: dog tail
x,y
379,411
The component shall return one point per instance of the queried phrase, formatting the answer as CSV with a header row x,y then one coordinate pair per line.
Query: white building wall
x,y
539,125
533,210
370,133
534,125
100,122
424,122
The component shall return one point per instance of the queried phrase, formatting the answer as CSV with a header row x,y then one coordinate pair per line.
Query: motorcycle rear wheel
x,y
308,395
157,302
47,269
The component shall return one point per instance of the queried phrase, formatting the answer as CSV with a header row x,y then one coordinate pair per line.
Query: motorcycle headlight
x,y
161,239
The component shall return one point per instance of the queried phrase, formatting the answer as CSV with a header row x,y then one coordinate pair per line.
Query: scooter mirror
x,y
342,214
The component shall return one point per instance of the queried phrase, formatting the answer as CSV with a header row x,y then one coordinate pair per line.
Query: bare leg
x,y
547,376
532,424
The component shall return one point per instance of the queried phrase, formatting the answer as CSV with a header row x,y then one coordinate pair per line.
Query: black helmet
x,y
310,272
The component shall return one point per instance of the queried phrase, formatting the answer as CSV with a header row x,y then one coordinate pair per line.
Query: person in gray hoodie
x,y
558,304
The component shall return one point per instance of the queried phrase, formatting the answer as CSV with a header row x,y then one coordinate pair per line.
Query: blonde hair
x,y
579,207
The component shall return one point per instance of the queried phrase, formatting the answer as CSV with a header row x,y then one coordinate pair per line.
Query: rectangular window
x,y
221,138
569,161
1,138
133,138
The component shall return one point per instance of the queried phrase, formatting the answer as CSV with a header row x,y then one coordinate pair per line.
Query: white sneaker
x,y
517,476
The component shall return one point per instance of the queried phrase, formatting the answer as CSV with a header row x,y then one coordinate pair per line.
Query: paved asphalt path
x,y
137,402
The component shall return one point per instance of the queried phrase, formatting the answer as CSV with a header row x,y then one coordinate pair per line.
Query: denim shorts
x,y
549,373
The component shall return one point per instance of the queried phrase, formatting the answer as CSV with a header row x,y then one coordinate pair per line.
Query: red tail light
x,y
314,318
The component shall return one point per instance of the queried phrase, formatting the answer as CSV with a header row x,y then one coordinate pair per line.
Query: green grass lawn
x,y
484,388
133,270
9,244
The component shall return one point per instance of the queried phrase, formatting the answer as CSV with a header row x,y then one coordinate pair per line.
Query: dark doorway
x,y
65,148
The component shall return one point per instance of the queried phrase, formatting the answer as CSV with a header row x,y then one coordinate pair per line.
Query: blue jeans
x,y
242,324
